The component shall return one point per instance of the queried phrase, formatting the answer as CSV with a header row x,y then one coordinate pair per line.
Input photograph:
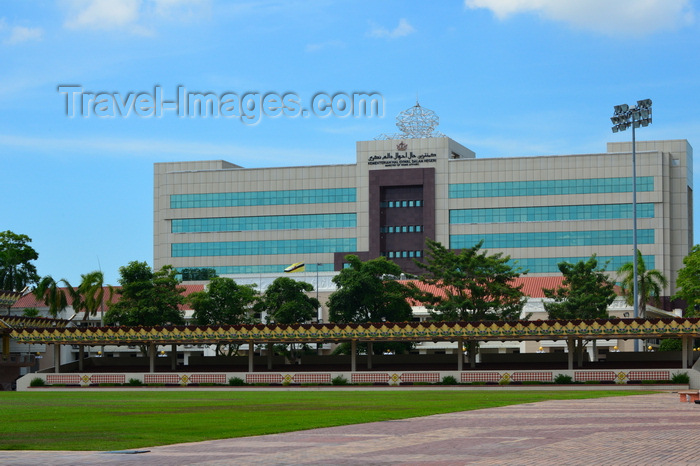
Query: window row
x,y
273,222
550,213
402,254
264,248
549,187
393,204
552,239
286,197
550,264
258,269
402,229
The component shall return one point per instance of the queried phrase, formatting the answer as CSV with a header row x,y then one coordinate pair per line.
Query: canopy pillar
x,y
5,345
460,354
57,358
81,357
269,356
472,354
251,354
353,355
571,345
579,353
369,355
173,357
152,357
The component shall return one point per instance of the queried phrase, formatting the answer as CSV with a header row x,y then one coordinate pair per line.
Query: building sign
x,y
401,159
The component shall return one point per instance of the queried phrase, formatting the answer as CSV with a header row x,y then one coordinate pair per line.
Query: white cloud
x,y
403,29
614,17
19,34
331,44
134,16
103,14
180,9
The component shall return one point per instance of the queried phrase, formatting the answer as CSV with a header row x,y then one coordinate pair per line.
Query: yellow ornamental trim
x,y
408,331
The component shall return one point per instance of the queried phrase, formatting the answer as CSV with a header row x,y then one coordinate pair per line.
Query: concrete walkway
x,y
651,429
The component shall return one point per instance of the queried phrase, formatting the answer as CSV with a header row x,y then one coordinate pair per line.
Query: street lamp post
x,y
318,317
623,118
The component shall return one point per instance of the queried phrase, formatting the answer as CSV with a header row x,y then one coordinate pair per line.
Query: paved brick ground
x,y
635,430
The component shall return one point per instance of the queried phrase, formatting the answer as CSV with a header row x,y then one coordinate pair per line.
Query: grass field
x,y
117,420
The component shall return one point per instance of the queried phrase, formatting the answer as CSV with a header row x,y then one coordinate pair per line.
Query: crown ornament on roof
x,y
415,122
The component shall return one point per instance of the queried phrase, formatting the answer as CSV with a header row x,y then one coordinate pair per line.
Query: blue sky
x,y
506,77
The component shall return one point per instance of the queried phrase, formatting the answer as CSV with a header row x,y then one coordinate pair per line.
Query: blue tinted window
x,y
549,265
278,222
550,213
288,197
250,248
552,239
549,187
243,269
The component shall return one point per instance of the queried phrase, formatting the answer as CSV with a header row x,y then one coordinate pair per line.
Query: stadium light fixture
x,y
623,118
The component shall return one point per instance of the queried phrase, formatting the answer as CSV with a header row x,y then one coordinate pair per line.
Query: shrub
x,y
37,382
563,379
680,377
671,344
449,380
236,381
339,380
134,382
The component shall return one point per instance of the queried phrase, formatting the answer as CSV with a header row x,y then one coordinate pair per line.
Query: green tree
x,y
287,301
688,282
586,292
146,297
89,296
650,283
474,285
16,256
671,344
364,293
50,292
30,312
224,302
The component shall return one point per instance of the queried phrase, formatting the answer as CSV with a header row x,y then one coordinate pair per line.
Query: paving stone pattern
x,y
653,429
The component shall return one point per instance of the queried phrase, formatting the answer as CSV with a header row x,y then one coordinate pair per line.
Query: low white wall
x,y
614,377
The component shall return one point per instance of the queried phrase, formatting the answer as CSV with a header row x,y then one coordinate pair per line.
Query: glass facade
x,y
254,248
289,197
550,264
274,222
550,213
552,239
549,187
252,269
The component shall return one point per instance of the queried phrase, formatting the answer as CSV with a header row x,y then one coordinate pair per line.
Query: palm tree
x,y
650,283
53,296
89,295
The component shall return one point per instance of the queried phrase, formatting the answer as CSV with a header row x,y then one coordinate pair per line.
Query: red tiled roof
x,y
29,300
532,286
